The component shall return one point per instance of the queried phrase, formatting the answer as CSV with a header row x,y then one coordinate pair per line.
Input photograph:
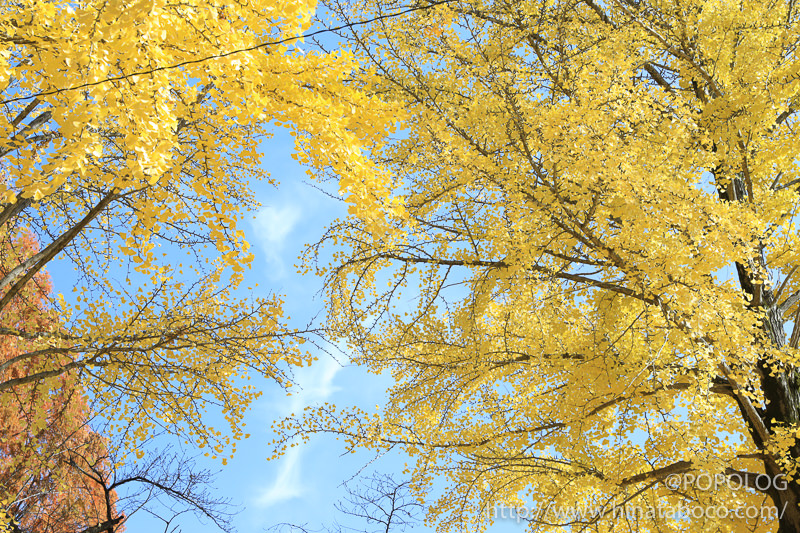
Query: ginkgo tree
x,y
129,134
585,280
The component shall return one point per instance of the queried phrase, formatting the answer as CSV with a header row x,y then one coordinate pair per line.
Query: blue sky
x,y
303,485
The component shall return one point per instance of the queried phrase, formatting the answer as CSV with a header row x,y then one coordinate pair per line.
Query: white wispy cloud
x,y
287,484
272,226
315,385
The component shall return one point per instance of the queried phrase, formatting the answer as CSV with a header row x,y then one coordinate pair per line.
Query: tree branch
x,y
39,260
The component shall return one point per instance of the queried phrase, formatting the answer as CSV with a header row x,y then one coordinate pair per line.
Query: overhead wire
x,y
221,55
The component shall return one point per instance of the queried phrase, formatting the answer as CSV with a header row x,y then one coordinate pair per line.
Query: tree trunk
x,y
781,389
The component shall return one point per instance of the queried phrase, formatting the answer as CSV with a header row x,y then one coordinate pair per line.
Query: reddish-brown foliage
x,y
53,466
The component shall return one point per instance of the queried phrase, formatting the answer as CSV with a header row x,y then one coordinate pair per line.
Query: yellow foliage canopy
x,y
594,207
129,132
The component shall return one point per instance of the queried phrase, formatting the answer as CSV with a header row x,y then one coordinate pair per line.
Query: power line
x,y
226,54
